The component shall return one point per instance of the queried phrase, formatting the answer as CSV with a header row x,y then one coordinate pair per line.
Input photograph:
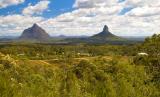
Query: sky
x,y
81,17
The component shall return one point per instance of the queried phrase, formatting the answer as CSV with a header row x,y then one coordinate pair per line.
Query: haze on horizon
x,y
81,17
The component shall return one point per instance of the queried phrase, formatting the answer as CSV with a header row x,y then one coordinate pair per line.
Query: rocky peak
x,y
35,25
105,29
35,32
104,34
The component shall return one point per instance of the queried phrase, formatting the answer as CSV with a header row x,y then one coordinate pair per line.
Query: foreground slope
x,y
85,79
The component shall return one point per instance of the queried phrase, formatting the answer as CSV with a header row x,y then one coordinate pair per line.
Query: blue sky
x,y
81,17
56,7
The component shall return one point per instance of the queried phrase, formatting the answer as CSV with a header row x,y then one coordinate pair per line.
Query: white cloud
x,y
15,24
5,3
144,11
69,24
37,9
90,16
141,3
94,3
143,8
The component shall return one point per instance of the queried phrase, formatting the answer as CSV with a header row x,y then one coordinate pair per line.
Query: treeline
x,y
47,51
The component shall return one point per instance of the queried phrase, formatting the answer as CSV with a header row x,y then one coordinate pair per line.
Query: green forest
x,y
80,70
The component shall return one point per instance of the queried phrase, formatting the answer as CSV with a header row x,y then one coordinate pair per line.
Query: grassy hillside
x,y
93,77
45,70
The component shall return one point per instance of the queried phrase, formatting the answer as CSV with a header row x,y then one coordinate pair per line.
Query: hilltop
x,y
105,35
34,33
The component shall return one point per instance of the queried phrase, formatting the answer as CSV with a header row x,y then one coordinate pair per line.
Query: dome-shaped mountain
x,y
105,34
34,33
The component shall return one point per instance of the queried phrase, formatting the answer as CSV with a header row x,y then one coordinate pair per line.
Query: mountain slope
x,y
101,38
34,33
106,35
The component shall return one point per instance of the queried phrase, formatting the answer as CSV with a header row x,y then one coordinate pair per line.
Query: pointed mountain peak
x,y
35,32
105,29
35,25
104,34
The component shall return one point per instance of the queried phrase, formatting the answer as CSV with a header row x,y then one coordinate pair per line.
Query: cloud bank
x,y
5,3
37,9
90,16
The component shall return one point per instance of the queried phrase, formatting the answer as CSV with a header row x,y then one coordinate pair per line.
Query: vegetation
x,y
46,70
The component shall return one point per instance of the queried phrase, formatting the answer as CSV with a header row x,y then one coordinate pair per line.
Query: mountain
x,y
101,38
105,35
34,33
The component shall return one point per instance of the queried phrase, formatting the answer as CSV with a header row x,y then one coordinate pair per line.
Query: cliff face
x,y
35,32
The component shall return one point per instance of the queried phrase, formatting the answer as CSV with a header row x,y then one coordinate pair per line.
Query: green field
x,y
83,70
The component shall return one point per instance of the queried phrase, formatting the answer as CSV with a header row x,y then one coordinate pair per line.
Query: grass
x,y
103,76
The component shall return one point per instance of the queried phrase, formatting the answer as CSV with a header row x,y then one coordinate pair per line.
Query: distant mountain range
x,y
38,34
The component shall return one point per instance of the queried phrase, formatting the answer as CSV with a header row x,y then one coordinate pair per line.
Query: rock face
x,y
34,33
104,34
